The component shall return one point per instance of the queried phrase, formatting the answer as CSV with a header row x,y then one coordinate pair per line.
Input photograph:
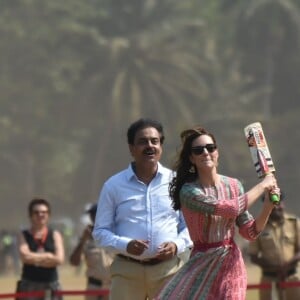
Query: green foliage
x,y
74,74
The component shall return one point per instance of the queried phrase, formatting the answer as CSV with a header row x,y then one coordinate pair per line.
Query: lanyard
x,y
40,241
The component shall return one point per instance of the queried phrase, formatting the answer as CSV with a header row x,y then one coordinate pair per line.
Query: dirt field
x,y
72,281
69,280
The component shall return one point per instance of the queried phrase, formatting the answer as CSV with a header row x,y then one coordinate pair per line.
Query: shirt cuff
x,y
181,246
121,244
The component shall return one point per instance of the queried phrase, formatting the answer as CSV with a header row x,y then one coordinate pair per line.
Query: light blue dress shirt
x,y
129,209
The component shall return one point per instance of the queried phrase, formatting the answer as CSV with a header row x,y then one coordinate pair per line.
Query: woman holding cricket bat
x,y
213,205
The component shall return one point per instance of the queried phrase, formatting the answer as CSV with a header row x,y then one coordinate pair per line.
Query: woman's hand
x,y
269,182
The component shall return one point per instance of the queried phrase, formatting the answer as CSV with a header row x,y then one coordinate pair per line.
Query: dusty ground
x,y
71,279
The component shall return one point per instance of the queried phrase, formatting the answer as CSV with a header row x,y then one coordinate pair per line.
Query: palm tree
x,y
268,34
145,60
145,57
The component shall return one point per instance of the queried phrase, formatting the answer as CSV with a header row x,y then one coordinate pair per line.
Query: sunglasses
x,y
198,150
40,212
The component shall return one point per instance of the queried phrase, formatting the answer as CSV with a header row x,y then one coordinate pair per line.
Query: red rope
x,y
23,295
267,285
105,292
260,286
36,294
285,284
99,292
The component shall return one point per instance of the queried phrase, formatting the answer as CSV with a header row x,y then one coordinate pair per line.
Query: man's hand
x,y
86,234
166,251
285,268
137,247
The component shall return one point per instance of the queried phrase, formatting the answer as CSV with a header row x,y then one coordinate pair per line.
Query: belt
x,y
149,262
94,281
275,274
203,247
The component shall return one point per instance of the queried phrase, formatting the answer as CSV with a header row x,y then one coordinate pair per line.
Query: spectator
x,y
9,252
277,253
136,220
41,250
97,259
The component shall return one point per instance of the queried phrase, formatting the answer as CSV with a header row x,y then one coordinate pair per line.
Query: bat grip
x,y
274,198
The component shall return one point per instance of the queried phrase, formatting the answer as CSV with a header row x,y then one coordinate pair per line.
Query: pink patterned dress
x,y
216,270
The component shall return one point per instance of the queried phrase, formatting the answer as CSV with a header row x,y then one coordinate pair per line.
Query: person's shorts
x,y
32,286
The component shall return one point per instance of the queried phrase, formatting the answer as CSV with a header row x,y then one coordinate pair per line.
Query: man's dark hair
x,y
92,210
38,201
141,124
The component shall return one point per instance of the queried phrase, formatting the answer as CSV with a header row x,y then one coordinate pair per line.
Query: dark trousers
x,y
33,286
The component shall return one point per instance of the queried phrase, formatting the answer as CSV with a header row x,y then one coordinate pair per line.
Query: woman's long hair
x,y
185,171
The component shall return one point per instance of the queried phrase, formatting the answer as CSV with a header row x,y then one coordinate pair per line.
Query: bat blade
x,y
260,153
259,149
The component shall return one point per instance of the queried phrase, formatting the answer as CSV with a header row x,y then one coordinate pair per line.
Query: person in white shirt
x,y
135,219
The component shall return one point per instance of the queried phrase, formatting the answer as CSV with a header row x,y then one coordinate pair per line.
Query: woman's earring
x,y
192,169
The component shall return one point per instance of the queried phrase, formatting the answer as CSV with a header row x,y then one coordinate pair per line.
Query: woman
x,y
213,204
41,251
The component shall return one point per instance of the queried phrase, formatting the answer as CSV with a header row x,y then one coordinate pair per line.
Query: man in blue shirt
x,y
135,219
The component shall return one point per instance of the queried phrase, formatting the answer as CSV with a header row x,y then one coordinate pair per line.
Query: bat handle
x,y
275,198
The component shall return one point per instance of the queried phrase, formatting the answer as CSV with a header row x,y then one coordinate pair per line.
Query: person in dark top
x,y
41,251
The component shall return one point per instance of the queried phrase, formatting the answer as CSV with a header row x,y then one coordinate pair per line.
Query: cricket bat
x,y
260,153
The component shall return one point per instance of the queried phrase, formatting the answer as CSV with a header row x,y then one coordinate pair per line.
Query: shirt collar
x,y
130,173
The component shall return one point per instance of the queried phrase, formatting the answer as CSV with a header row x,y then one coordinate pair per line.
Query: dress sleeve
x,y
247,226
230,206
